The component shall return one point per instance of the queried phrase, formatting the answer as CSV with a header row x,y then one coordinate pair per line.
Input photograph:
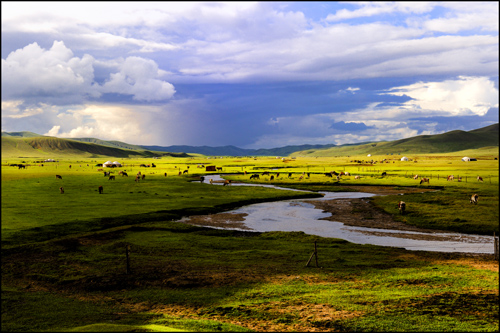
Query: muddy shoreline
x,y
359,212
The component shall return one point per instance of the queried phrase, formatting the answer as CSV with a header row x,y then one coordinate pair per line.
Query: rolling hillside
x,y
439,143
51,147
28,144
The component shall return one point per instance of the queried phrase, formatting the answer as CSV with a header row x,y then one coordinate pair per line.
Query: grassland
x,y
64,256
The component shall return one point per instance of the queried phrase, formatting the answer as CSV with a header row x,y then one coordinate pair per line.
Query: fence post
x,y
495,244
315,253
127,248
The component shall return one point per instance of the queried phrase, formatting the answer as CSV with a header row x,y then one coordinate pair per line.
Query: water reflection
x,y
299,215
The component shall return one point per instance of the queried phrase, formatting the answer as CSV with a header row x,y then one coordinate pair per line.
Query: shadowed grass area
x,y
201,279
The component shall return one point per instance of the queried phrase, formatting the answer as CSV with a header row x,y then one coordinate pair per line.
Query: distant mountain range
x,y
29,144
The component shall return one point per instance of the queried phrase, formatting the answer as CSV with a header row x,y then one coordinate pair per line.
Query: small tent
x,y
117,164
369,155
466,159
110,164
404,159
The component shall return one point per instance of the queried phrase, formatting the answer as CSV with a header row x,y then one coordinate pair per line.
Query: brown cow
x,y
415,177
137,178
424,180
401,207
111,178
226,182
357,177
479,178
58,177
474,198
61,189
100,189
124,174
143,176
450,177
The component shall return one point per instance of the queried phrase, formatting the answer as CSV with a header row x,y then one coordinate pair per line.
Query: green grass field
x,y
64,255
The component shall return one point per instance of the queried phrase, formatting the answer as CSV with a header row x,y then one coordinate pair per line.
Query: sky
x,y
249,74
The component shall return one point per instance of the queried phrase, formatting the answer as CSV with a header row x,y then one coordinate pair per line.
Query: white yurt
x,y
117,164
369,155
404,159
466,159
107,164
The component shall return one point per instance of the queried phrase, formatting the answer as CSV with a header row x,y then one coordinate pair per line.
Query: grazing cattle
x,y
384,174
424,180
347,173
479,178
143,176
180,173
290,175
474,198
218,168
328,174
58,177
100,189
99,169
300,178
255,176
185,171
415,177
401,207
265,173
277,175
139,174
226,182
21,166
165,174
450,177
334,173
61,189
124,174
143,166
356,177
338,178
106,174
272,178
137,178
111,178
459,179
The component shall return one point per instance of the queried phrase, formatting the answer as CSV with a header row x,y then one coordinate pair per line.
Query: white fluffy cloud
x,y
463,96
57,75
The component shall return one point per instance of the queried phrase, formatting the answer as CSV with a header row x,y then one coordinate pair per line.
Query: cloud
x,y
349,126
35,72
139,77
57,76
462,96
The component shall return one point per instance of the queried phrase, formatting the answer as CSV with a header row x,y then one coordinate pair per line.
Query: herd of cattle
x,y
401,204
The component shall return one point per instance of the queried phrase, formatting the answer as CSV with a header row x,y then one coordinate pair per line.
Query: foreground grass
x,y
64,255
198,279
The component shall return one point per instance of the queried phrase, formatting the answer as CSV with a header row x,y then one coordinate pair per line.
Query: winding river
x,y
299,215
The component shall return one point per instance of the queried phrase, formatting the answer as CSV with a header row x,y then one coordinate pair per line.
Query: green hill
x,y
51,147
428,144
